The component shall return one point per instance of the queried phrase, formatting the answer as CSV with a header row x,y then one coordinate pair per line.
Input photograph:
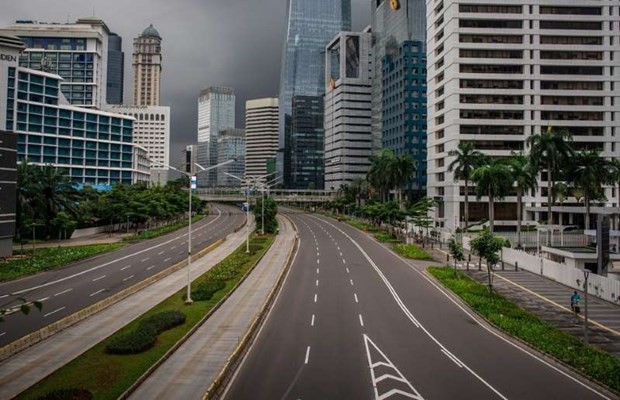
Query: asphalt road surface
x,y
354,321
69,289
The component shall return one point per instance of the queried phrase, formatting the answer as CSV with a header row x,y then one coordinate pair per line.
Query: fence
x,y
532,240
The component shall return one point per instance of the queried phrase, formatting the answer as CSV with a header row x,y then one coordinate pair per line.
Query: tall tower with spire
x,y
147,67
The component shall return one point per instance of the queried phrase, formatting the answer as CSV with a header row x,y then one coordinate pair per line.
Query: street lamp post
x,y
586,275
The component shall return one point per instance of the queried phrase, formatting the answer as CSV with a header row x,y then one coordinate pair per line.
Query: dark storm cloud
x,y
205,43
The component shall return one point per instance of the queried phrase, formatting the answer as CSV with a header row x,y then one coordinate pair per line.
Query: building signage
x,y
8,57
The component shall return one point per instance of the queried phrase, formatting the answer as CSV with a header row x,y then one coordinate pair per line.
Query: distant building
x,y
78,52
230,145
147,60
348,139
116,70
216,112
189,158
261,132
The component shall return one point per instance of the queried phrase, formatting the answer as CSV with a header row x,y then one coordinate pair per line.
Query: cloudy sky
x,y
205,43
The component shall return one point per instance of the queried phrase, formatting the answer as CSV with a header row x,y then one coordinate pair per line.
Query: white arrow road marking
x,y
395,375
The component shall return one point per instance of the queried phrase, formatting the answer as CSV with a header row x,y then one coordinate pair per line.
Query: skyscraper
x,y
116,68
261,130
311,25
230,145
147,67
216,112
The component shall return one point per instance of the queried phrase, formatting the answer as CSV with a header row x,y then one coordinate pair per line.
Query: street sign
x,y
193,180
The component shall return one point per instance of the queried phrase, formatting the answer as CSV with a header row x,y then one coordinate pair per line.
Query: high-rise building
x,y
231,146
147,60
500,72
189,158
216,112
78,52
311,25
348,138
392,23
116,70
261,132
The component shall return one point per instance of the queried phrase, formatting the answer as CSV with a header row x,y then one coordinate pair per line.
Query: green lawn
x,y
517,322
162,230
108,376
412,251
387,238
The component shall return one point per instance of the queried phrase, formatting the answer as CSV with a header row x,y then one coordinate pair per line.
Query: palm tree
x,y
405,167
588,172
525,177
561,192
614,178
57,194
382,172
467,160
548,151
493,180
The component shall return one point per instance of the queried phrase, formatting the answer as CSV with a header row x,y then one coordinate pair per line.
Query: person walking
x,y
574,302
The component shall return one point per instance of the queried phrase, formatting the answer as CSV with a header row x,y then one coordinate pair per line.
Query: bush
x,y
412,251
387,238
206,290
145,335
67,394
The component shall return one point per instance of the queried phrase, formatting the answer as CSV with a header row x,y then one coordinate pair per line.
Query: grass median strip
x,y
512,319
107,376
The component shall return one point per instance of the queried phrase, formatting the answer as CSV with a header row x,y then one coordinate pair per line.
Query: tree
x,y
525,177
271,210
549,151
404,168
57,193
381,174
561,193
456,250
588,171
486,245
493,180
614,179
466,161
358,190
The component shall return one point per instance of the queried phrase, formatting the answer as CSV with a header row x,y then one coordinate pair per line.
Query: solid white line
x,y
150,268
63,292
451,357
307,355
315,297
361,320
96,293
43,299
168,259
54,312
125,267
312,322
148,258
96,279
129,277
355,295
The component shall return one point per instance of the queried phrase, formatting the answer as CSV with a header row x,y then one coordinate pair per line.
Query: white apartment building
x,y
348,112
261,132
502,71
147,60
152,132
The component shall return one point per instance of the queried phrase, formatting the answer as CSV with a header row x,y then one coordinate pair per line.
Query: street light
x,y
192,185
586,275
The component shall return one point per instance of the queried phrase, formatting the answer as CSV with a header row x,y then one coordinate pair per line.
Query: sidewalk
x,y
194,366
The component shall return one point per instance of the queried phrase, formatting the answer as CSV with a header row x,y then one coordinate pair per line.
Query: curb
x,y
33,338
170,352
215,389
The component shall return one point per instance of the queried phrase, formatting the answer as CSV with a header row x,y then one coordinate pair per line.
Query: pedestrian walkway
x,y
196,364
35,363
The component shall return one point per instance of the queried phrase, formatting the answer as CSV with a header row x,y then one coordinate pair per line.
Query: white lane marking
x,y
312,322
97,292
317,270
344,261
348,272
148,258
43,299
4,296
109,262
63,292
161,252
361,320
340,252
168,259
351,280
317,282
174,247
338,247
150,268
125,267
318,261
317,249
2,334
129,277
101,277
318,254
409,315
54,312
315,297
356,299
451,357
307,355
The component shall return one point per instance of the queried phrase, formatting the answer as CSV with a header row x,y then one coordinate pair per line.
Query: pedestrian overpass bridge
x,y
283,196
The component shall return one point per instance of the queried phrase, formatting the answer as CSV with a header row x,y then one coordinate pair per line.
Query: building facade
x,y
77,52
152,132
216,112
499,73
231,146
147,59
403,122
116,70
311,25
261,130
347,123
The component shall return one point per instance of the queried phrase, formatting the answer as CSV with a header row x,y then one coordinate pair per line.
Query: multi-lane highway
x,y
67,290
354,321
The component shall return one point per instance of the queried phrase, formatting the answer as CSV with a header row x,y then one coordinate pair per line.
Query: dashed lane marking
x,y
307,355
361,320
312,322
356,299
54,312
63,292
97,279
167,259
97,292
125,267
145,259
315,297
128,278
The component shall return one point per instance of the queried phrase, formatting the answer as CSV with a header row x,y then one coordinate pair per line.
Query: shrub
x,y
387,238
207,289
67,394
412,251
144,336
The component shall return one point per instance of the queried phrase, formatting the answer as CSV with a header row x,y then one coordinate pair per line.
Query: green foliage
x,y
389,171
68,394
412,251
145,335
270,210
49,258
387,238
205,290
163,230
361,225
594,363
487,246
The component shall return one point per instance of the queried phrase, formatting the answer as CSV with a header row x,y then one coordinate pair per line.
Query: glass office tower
x,y
311,26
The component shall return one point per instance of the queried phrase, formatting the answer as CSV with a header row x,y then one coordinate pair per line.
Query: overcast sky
x,y
205,43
